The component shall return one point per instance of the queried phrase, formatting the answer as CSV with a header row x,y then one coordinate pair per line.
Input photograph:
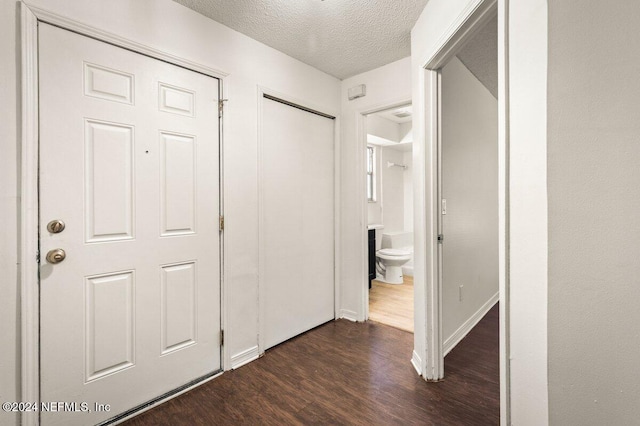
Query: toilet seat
x,y
393,252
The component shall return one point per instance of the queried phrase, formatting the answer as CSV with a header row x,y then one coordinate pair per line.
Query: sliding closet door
x,y
297,221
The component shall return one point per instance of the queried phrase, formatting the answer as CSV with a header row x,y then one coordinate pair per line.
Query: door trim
x,y
30,17
472,18
29,238
267,93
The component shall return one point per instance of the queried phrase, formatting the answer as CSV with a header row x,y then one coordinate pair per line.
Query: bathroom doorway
x,y
389,138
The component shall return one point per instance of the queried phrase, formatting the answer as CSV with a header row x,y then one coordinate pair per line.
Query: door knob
x,y
55,226
56,256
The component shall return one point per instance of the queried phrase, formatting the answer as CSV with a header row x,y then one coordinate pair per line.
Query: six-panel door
x,y
129,160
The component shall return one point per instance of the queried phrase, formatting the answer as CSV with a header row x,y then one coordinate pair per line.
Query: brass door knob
x,y
56,256
55,226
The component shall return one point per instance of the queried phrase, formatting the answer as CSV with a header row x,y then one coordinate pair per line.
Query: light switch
x,y
444,206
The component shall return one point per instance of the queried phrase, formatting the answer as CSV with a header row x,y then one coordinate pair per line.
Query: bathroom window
x,y
371,183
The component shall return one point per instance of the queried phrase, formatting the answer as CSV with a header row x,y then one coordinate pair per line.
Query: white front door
x,y
129,161
297,218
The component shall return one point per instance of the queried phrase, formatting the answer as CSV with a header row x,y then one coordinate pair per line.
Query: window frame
x,y
371,174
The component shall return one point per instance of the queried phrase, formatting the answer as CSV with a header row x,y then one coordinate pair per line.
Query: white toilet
x,y
395,252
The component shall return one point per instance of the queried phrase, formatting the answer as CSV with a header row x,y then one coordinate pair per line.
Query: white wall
x,y
9,213
168,26
383,128
387,85
594,205
470,186
406,132
392,191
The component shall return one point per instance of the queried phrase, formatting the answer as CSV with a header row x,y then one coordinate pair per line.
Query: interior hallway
x,y
348,373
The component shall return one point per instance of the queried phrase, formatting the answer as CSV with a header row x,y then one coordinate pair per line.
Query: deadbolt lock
x,y
56,256
55,226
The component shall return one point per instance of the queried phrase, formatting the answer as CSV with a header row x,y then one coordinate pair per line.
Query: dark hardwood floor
x,y
343,373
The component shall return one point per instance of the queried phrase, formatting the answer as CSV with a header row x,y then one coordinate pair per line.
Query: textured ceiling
x,y
340,37
480,56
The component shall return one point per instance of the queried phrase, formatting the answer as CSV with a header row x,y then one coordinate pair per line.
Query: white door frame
x,y
302,104
361,137
29,208
466,25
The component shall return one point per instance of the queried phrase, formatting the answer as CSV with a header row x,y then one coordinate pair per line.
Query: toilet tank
x,y
397,240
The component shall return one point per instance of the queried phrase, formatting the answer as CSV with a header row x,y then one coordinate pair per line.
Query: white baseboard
x,y
468,325
417,362
244,357
348,315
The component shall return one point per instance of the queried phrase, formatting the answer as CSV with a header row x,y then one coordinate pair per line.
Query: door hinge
x,y
221,106
221,223
440,238
221,337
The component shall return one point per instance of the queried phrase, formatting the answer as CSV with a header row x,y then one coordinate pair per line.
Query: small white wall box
x,y
357,92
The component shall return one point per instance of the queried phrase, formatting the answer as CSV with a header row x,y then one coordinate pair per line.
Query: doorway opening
x,y
468,186
465,185
389,142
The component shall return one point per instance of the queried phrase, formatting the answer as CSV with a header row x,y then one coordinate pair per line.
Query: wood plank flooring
x,y
392,304
345,373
